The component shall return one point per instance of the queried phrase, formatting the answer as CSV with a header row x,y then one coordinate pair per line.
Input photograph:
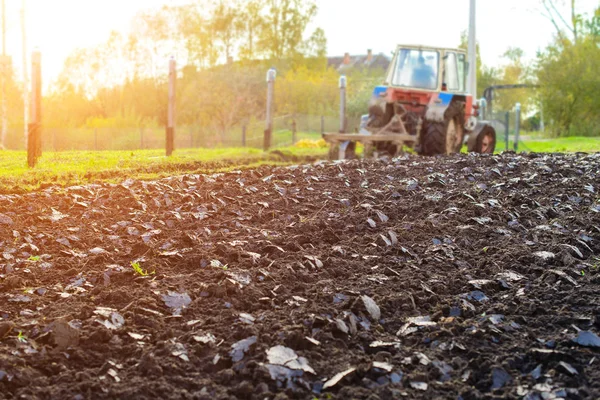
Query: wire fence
x,y
287,130
508,136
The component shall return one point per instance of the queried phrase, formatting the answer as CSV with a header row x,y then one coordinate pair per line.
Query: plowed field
x,y
460,277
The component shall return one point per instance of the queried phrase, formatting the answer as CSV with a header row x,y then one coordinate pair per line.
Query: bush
x,y
311,144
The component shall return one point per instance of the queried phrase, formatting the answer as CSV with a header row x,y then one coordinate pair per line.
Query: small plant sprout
x,y
21,338
138,269
34,258
218,264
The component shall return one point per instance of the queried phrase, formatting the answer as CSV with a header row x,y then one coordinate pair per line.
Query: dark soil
x,y
498,256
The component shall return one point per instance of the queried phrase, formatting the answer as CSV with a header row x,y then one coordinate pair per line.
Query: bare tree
x,y
553,14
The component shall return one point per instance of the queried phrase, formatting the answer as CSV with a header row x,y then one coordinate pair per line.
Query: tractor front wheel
x,y
442,137
483,139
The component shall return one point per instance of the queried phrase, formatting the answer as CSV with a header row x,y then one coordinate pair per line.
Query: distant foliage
x,y
569,73
223,50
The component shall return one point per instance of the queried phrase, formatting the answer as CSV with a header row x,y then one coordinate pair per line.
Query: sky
x,y
58,27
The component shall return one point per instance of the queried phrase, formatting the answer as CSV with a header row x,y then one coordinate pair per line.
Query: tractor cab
x,y
426,102
418,73
424,95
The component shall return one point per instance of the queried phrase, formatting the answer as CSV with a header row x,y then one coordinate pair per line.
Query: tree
x,y
570,85
285,23
571,24
515,71
226,26
125,79
486,76
250,27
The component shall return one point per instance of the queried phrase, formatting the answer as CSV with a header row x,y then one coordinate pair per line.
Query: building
x,y
369,60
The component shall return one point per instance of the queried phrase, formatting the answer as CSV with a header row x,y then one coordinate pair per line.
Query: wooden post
x,y
171,108
507,130
244,130
322,124
294,131
34,144
271,74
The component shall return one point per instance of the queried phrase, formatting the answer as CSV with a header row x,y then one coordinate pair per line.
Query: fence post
x,y
95,139
483,106
170,145
542,125
271,74
244,128
142,137
294,130
343,122
517,126
322,124
191,137
34,144
507,129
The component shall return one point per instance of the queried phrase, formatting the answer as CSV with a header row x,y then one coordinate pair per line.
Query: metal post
x,y
517,125
483,106
34,144
244,130
343,83
472,82
170,145
507,129
322,124
271,74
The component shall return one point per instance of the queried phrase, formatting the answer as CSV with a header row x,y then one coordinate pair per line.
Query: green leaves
x,y
138,269
21,338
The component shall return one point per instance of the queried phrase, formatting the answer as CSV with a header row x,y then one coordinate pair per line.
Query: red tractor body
x,y
424,95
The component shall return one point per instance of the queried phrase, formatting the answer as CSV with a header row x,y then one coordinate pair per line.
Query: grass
x,y
82,167
562,145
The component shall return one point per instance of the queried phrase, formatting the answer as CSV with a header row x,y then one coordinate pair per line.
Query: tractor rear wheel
x,y
444,137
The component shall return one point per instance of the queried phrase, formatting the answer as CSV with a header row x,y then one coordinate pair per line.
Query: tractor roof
x,y
423,47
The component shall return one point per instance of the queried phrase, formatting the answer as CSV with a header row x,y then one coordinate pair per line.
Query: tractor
x,y
423,104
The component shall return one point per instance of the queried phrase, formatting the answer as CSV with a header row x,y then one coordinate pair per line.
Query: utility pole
x,y
25,76
472,82
5,66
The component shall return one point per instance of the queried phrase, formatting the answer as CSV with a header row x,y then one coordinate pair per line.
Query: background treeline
x,y
224,48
